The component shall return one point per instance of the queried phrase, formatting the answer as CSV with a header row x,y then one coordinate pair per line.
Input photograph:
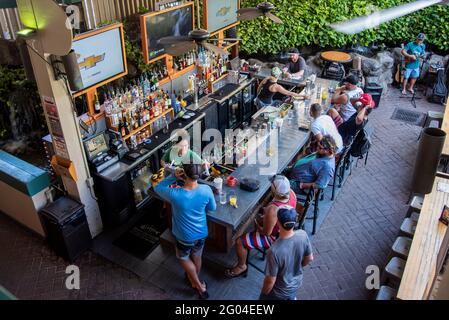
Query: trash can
x,y
66,228
375,91
427,159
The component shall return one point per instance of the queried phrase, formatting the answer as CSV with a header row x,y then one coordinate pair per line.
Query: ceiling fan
x,y
359,24
262,9
197,38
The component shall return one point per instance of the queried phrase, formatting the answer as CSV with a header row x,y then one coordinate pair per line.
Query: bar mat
x,y
413,117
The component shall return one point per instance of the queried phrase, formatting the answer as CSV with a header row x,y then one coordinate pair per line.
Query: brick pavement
x,y
358,232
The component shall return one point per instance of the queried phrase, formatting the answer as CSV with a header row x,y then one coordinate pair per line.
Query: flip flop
x,y
231,274
203,295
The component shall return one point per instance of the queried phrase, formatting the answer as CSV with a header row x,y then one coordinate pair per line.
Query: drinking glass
x,y
232,198
222,196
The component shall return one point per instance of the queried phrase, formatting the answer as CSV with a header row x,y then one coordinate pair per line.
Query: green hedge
x,y
306,23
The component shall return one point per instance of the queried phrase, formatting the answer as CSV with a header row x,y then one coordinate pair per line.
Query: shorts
x,y
411,73
260,104
185,250
254,240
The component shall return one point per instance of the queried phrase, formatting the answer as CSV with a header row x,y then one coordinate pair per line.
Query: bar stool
x,y
386,293
393,271
415,205
434,116
401,247
408,227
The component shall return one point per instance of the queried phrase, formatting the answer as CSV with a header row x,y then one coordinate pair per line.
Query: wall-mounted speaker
x,y
72,71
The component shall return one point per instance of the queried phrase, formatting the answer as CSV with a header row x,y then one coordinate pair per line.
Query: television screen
x,y
100,56
177,22
221,14
96,145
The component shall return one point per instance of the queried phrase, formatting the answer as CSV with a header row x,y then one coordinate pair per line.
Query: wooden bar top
x,y
420,269
445,128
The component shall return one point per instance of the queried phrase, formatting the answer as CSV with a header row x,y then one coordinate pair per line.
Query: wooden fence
x,y
93,12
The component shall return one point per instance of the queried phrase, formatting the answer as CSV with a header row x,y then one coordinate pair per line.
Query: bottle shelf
x,y
135,131
179,73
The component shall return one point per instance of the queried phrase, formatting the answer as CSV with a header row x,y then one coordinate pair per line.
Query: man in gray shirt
x,y
286,258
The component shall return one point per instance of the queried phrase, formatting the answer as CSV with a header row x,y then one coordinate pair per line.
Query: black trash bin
x,y
66,228
375,91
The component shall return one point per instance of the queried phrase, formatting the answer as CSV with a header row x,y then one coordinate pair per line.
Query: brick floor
x,y
358,232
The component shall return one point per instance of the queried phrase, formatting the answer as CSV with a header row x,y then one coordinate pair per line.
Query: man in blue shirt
x,y
189,223
412,53
315,171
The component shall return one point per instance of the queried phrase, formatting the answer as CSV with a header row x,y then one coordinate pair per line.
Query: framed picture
x,y
172,22
219,14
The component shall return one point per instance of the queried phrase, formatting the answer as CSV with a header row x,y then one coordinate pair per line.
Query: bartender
x,y
181,153
269,87
296,65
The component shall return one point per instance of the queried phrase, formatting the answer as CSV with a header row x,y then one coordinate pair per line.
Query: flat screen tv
x,y
219,14
101,56
176,21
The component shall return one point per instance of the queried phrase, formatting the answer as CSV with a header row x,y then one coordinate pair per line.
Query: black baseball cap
x,y
293,51
421,36
287,217
352,79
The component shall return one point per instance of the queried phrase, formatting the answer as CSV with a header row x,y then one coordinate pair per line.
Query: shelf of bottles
x,y
212,67
183,62
141,109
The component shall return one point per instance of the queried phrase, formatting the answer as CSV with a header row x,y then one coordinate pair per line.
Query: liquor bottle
x,y
126,125
97,104
121,128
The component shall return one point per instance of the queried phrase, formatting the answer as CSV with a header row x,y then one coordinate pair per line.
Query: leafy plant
x,y
306,22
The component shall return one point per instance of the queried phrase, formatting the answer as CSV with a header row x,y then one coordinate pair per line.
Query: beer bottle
x,y
97,104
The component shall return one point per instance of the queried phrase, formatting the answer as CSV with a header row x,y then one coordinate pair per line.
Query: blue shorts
x,y
185,250
411,73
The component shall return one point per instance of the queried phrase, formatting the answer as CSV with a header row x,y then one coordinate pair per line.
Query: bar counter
x,y
227,223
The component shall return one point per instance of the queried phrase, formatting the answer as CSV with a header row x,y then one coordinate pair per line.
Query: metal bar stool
x,y
415,205
408,227
386,293
393,271
401,247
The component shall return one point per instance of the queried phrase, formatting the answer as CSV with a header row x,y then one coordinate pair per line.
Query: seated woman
x,y
267,229
316,170
180,153
357,121
269,87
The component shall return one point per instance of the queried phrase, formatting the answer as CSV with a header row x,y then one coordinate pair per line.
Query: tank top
x,y
291,203
347,110
265,95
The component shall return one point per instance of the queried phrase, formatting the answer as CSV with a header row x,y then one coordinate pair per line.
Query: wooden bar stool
x,y
408,227
401,247
386,293
393,271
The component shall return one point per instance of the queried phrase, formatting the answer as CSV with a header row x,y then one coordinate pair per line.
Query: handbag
x,y
249,184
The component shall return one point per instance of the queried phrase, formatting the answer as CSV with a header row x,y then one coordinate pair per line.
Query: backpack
x,y
362,142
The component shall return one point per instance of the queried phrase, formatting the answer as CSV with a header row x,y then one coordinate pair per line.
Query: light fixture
x,y
26,33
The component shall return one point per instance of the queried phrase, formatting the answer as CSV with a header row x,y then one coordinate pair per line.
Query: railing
x,y
93,11
9,23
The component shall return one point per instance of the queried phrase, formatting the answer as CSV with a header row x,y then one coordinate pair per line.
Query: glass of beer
x,y
233,198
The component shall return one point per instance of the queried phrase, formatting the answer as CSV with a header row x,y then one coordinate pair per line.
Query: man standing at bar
x,y
189,205
296,66
286,259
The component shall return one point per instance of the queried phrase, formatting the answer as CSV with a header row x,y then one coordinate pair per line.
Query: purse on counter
x,y
249,184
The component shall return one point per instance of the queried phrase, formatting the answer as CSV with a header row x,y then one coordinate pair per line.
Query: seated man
x,y
323,125
316,170
344,99
296,65
358,120
267,230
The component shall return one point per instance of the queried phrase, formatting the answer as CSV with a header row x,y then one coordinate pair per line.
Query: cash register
x,y
98,153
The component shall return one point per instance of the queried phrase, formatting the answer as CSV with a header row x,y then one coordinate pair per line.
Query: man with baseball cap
x,y
266,229
358,120
412,53
286,258
296,65
343,100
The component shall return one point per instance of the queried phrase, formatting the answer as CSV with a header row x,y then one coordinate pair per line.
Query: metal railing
x,y
93,12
